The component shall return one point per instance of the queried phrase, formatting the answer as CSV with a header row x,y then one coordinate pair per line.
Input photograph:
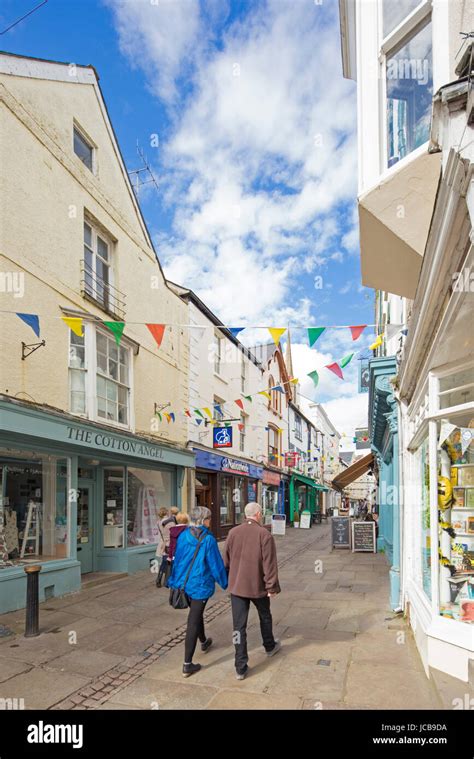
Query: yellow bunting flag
x,y
75,324
377,343
276,333
207,411
294,380
264,392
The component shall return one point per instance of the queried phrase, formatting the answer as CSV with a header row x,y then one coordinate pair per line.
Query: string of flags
x,y
466,434
157,330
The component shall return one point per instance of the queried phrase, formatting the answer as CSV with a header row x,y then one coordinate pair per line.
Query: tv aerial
x,y
142,176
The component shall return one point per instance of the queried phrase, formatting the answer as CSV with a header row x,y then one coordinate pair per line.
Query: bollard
x,y
32,601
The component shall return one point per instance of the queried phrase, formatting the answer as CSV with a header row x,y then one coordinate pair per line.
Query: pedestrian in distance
x,y
160,548
182,521
165,525
251,560
196,568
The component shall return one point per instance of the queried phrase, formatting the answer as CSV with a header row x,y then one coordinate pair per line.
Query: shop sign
x,y
222,437
271,478
278,524
341,537
108,442
235,466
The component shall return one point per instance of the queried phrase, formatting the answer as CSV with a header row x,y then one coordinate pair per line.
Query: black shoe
x,y
158,579
206,645
190,669
241,675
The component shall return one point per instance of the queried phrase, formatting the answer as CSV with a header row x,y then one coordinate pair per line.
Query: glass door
x,y
85,527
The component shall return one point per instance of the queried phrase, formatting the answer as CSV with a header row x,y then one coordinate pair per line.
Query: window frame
x,y
388,45
218,340
82,134
97,233
271,449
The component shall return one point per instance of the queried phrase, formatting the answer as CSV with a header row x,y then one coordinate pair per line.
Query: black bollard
x,y
32,601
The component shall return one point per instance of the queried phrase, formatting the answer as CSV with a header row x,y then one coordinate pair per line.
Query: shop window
x,y
225,508
409,86
34,508
239,498
148,490
77,374
455,485
425,518
269,502
456,389
395,12
113,520
113,382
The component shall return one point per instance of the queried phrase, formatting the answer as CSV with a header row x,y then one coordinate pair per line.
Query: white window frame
x,y
243,374
242,433
298,427
91,144
387,45
90,361
218,340
98,232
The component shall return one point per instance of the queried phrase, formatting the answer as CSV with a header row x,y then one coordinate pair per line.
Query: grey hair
x,y
198,515
252,509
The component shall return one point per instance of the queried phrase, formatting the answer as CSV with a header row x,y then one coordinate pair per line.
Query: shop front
x,y
225,485
77,498
305,495
272,495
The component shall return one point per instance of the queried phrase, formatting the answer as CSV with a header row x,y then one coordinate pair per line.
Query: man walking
x,y
251,560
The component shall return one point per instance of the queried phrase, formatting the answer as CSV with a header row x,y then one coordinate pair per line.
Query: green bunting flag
x,y
314,333
346,360
117,329
315,377
199,413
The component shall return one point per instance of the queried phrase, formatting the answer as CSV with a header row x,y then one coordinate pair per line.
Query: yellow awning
x,y
394,220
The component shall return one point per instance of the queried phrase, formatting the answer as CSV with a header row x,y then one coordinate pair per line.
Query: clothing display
x,y
145,527
10,531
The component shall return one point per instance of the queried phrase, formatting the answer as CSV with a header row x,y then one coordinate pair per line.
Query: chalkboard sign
x,y
341,536
363,537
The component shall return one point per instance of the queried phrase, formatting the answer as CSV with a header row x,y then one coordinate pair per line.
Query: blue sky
x,y
256,157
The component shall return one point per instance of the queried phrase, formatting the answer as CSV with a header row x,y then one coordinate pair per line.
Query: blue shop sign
x,y
222,437
208,460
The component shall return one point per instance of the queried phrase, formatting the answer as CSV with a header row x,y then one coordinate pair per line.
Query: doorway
x,y
85,526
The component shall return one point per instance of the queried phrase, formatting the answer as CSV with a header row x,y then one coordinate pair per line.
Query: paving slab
x,y
147,693
93,664
41,688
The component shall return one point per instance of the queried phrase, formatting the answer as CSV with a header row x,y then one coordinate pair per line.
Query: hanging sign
x,y
222,437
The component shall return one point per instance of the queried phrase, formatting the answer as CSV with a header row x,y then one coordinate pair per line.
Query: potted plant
x,y
296,518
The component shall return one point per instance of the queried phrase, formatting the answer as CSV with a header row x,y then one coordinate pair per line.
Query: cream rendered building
x,y
84,461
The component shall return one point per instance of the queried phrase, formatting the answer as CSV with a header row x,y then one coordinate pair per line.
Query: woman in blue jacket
x,y
208,568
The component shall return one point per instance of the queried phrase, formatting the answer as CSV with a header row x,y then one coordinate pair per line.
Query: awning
x,y
353,472
394,220
308,481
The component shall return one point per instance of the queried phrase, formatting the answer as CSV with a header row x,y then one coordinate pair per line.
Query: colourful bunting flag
x,y
172,416
294,380
218,408
74,324
157,330
276,333
198,421
377,343
208,412
346,360
199,413
117,329
241,427
314,333
467,435
32,320
264,392
248,398
336,369
235,330
239,403
168,417
357,331
157,413
187,412
315,377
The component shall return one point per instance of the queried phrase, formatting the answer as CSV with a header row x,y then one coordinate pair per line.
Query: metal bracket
x,y
30,348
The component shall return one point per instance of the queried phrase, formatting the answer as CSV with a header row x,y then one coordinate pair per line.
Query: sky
x,y
249,127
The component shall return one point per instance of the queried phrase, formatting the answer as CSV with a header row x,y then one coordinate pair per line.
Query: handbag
x,y
178,597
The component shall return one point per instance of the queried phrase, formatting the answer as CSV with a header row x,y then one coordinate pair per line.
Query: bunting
x,y
346,360
357,331
336,369
32,320
239,404
117,329
235,330
377,343
75,324
276,334
315,377
157,330
314,333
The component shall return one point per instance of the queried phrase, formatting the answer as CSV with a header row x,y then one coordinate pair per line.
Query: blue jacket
x,y
208,567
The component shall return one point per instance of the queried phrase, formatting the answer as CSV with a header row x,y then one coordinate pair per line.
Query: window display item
x,y
145,528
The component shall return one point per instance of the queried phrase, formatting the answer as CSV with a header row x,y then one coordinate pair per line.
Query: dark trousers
x,y
195,628
240,615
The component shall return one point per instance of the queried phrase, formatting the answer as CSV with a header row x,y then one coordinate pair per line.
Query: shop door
x,y
85,527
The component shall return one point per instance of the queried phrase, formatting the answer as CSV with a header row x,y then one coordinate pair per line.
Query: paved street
x,y
119,645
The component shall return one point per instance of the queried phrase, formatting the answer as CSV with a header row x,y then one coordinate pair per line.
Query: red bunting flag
x,y
187,412
157,330
357,331
240,404
336,369
241,427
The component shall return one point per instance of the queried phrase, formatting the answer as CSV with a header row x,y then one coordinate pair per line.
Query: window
x,y
114,486
113,388
242,433
148,490
242,375
456,389
217,354
275,396
96,266
226,511
100,380
273,445
409,84
83,149
298,428
218,408
77,374
395,12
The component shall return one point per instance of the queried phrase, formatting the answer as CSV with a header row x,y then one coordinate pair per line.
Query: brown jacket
x,y
251,560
